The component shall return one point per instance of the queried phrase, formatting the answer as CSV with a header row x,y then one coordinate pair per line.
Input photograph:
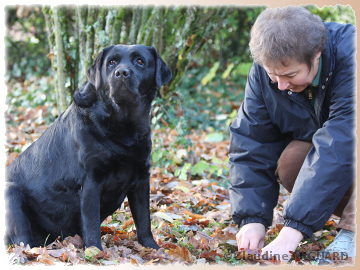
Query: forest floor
x,y
190,208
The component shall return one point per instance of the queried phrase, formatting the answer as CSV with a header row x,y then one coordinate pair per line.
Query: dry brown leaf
x,y
75,240
331,223
134,262
45,259
191,214
101,255
127,223
211,255
152,261
181,253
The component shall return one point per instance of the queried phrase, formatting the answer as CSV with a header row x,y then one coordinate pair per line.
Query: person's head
x,y
285,38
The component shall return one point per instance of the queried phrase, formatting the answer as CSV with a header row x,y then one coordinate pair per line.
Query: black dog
x,y
96,153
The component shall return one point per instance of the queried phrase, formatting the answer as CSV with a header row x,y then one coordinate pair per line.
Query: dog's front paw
x,y
149,243
90,242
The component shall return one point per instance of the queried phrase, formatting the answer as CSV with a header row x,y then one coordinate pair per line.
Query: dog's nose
x,y
122,72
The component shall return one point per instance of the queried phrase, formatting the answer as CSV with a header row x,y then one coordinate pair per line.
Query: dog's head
x,y
127,73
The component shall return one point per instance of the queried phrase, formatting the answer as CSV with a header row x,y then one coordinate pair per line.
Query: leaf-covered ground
x,y
190,208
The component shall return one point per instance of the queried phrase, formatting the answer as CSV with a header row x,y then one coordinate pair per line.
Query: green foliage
x,y
242,69
30,93
210,107
211,74
200,168
181,173
26,43
214,137
212,169
338,13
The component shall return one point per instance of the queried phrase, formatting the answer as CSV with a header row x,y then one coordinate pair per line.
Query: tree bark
x,y
60,56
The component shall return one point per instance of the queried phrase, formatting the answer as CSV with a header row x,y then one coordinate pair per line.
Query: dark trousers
x,y
288,168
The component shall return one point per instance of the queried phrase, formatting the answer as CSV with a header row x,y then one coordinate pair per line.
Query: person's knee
x,y
290,162
285,177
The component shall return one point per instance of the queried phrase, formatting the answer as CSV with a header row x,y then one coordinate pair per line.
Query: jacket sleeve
x,y
327,171
255,147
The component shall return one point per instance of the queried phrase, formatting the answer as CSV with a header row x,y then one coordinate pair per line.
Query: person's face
x,y
294,76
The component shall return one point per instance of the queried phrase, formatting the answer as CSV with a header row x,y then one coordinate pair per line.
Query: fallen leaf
x,y
190,214
211,255
152,261
101,255
136,260
45,259
331,223
181,253
164,216
91,251
75,240
127,223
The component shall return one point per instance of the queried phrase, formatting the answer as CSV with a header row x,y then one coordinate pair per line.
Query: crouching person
x,y
296,127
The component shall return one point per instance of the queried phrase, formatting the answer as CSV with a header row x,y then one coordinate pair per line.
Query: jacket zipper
x,y
310,94
309,108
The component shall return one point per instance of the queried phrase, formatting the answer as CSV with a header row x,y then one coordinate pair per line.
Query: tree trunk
x,y
60,57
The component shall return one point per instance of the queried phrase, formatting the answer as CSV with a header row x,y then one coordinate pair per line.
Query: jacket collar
x,y
316,81
328,64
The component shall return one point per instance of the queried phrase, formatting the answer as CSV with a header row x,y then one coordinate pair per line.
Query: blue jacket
x,y
269,119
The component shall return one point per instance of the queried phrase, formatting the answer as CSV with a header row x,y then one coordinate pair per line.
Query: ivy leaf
x,y
214,137
199,168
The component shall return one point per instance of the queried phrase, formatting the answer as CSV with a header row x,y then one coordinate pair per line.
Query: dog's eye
x,y
112,62
140,61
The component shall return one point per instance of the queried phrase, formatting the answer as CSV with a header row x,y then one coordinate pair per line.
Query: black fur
x,y
96,153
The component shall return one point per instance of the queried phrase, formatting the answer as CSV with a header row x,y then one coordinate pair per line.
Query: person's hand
x,y
287,240
251,236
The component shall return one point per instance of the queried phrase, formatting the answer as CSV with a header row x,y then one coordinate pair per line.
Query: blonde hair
x,y
288,33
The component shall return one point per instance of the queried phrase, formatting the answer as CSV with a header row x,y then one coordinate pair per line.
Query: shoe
x,y
342,247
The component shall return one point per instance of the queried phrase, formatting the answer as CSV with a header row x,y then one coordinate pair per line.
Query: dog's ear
x,y
94,71
85,95
163,73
